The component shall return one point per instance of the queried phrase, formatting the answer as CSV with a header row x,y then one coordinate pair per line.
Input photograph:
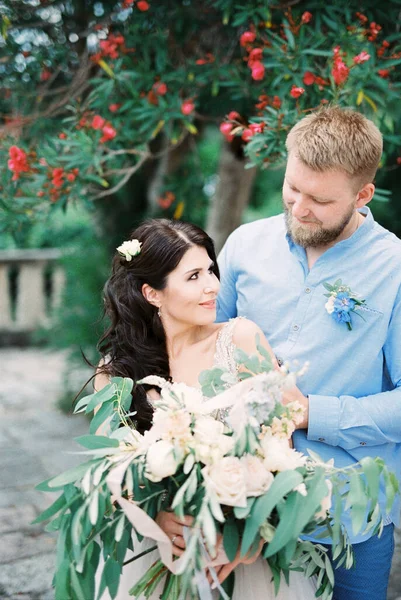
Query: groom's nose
x,y
300,207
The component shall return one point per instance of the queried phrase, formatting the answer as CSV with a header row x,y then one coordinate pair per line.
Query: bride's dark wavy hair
x,y
134,345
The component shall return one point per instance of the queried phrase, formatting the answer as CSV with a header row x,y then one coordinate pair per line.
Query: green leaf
x,y
231,539
103,395
112,574
69,476
357,500
76,585
283,484
52,510
96,441
100,417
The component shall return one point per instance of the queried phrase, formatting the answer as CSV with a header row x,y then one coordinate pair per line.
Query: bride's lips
x,y
209,304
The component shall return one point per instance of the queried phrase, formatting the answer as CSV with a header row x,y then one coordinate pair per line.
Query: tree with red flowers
x,y
110,102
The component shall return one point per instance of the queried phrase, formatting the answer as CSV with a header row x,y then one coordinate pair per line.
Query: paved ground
x,y
35,439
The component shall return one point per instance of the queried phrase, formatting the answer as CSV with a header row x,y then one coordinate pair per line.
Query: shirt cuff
x,y
324,419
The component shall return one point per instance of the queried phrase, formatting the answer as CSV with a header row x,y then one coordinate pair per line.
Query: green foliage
x,y
84,514
158,75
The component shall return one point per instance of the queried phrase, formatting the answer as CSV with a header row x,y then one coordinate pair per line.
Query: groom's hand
x,y
294,394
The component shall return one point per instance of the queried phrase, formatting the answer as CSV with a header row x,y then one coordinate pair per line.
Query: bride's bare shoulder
x,y
245,335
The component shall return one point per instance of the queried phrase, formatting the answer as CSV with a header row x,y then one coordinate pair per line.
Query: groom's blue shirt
x,y
354,377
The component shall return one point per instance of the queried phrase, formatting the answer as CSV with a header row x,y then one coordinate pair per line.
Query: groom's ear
x,y
365,195
150,294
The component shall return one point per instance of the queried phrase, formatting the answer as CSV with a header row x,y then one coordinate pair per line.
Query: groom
x,y
323,280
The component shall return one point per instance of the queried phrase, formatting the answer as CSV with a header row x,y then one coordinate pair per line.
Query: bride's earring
x,y
159,312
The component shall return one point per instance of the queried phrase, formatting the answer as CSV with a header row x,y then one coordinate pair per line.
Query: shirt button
x,y
295,327
321,439
362,443
307,290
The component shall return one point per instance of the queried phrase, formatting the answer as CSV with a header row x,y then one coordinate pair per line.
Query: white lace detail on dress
x,y
224,358
225,348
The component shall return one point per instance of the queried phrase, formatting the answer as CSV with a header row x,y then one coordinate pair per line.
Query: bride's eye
x,y
194,276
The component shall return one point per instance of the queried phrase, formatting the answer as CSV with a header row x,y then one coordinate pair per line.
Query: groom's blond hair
x,y
337,139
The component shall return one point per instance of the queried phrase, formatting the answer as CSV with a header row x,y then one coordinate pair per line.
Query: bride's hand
x,y
223,571
173,527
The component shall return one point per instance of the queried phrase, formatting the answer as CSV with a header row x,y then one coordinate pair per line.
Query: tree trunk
x,y
232,195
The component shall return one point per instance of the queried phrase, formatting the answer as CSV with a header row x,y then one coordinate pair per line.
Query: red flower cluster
x,y
265,100
252,130
209,58
158,89
17,162
306,17
58,178
187,107
373,31
361,58
340,71
383,48
166,200
106,128
110,48
296,92
363,18
310,78
226,128
114,107
384,73
45,74
247,38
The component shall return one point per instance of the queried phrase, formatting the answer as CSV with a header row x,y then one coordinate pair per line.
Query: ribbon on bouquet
x,y
147,527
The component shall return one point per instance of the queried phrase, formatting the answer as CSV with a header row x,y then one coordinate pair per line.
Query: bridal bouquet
x,y
227,462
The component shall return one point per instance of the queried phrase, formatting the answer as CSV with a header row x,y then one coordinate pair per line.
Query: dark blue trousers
x,y
368,578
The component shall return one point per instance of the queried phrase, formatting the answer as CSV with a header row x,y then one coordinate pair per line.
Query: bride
x,y
161,301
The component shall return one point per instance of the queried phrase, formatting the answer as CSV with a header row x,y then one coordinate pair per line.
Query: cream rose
x,y
173,426
161,461
130,249
209,441
279,456
227,480
257,478
190,397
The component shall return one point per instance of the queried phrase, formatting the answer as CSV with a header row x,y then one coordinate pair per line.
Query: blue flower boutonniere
x,y
343,302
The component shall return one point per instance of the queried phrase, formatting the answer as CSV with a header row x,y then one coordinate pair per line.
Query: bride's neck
x,y
179,337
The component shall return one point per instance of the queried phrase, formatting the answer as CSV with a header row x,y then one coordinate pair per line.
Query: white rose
x,y
129,249
209,441
329,306
208,430
189,396
227,480
279,456
161,461
173,425
326,502
257,478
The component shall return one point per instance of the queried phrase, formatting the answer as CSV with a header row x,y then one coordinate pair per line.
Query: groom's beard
x,y
315,236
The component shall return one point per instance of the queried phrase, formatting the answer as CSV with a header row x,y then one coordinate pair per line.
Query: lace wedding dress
x,y
252,582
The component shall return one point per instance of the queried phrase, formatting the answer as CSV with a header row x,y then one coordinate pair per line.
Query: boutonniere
x,y
342,303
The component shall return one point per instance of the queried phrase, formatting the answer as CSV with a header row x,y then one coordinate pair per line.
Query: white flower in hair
x,y
130,249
